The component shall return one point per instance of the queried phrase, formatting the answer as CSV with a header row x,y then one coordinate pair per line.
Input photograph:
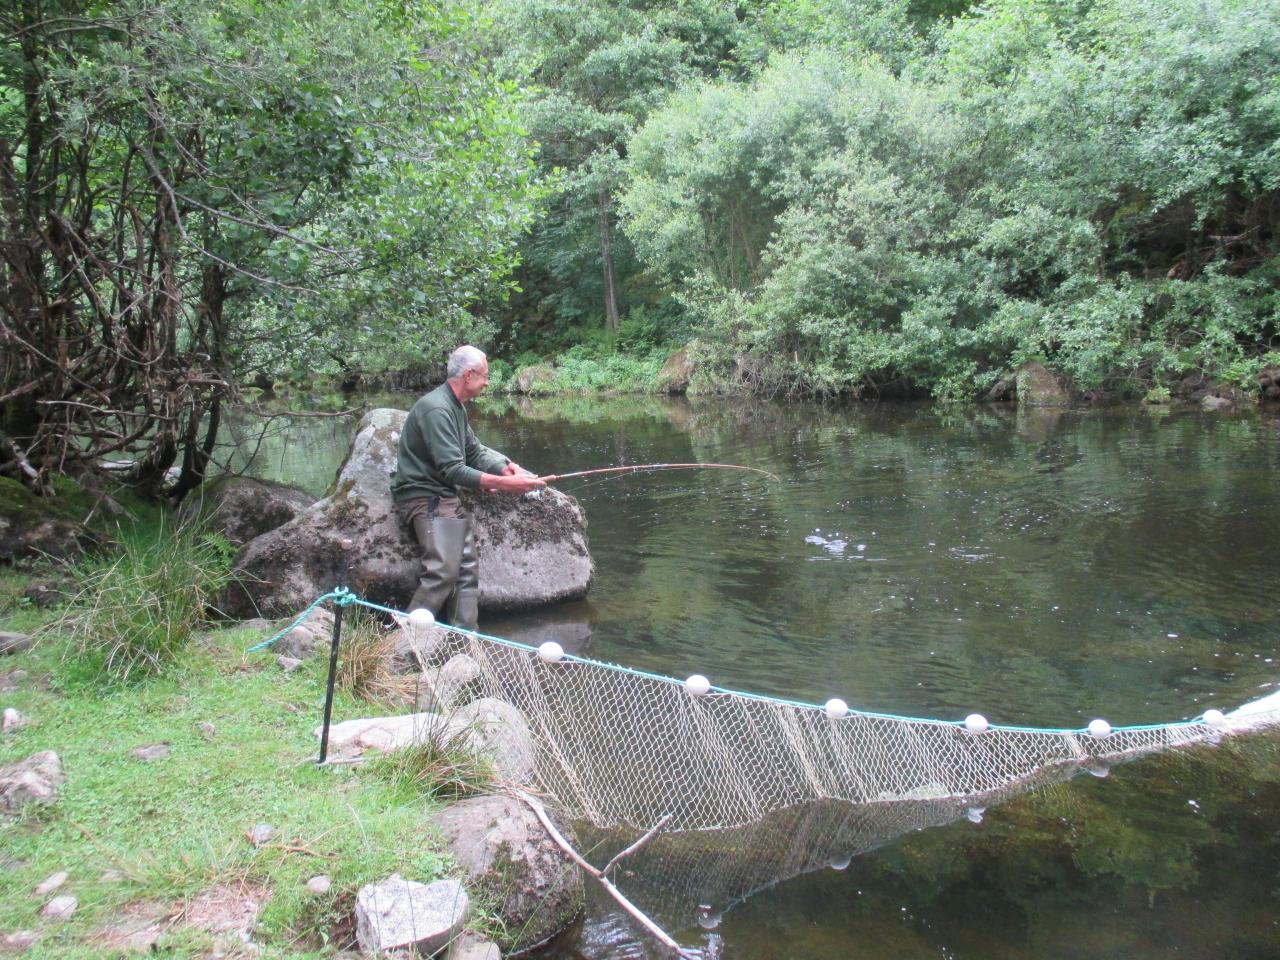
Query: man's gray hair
x,y
463,359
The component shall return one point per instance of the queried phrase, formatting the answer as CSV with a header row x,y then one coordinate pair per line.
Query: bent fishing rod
x,y
649,467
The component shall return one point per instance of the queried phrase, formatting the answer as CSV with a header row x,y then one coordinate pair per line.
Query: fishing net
x,y
619,747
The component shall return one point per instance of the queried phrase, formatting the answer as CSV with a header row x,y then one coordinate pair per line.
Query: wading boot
x,y
442,540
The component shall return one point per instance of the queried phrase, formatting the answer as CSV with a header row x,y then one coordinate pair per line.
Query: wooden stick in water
x,y
631,909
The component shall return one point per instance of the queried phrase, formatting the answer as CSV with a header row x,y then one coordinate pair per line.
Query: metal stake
x,y
333,675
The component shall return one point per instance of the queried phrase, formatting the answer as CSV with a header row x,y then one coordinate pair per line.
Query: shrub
x,y
138,608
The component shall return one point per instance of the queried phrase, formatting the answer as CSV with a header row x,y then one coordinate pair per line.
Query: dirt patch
x,y
227,912
139,929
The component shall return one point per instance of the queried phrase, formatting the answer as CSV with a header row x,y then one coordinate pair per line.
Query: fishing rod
x,y
647,467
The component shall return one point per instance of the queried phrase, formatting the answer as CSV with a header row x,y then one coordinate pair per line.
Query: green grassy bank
x,y
157,839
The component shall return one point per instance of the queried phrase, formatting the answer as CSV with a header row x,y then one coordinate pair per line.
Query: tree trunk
x,y
606,257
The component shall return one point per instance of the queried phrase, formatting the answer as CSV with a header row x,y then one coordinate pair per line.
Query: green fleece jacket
x,y
438,452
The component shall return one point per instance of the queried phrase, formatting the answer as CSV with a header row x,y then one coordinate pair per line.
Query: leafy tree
x,y
598,70
192,188
1089,184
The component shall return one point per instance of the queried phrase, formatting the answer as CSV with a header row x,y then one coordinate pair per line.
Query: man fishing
x,y
438,455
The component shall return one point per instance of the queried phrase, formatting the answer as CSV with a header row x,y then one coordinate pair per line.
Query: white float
x,y
698,685
550,652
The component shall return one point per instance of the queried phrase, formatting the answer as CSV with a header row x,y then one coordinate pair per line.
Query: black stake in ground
x,y
343,577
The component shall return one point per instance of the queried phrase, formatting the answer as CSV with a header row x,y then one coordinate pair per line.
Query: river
x,y
1042,567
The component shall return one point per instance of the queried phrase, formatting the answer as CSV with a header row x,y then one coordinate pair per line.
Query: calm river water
x,y
1040,567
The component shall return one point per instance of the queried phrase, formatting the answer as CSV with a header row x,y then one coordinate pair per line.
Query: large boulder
x,y
507,853
676,373
533,380
242,508
533,548
1038,386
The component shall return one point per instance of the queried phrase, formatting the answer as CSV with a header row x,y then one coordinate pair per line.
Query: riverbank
x,y
193,817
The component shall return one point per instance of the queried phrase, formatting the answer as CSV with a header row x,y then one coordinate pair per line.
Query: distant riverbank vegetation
x,y
814,197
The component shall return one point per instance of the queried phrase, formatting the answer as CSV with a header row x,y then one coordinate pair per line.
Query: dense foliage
x,y
1091,185
826,196
193,191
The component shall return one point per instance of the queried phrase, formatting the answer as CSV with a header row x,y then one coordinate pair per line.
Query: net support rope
x,y
622,747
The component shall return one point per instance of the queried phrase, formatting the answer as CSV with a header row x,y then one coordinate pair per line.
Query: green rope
x,y
343,597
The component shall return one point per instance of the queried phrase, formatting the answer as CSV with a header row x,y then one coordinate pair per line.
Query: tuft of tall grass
x,y
138,607
439,768
364,664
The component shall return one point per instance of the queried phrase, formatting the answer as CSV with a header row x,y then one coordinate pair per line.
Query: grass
x,y
362,668
175,827
139,606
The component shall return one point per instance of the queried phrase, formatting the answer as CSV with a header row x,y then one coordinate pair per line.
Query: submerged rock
x,y
533,548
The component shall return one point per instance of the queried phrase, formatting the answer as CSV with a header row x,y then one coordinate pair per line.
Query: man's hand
x,y
513,479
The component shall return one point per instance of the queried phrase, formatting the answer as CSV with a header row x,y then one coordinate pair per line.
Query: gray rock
x,y
36,779
534,379
505,850
499,730
412,648
151,752
676,373
12,721
241,508
14,642
439,689
471,946
399,913
1216,403
384,733
320,884
260,834
299,643
288,664
50,593
60,908
52,883
32,527
1038,386
533,549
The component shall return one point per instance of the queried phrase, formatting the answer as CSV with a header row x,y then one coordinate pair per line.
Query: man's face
x,y
474,381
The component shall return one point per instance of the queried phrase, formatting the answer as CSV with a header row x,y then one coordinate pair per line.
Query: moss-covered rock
x,y
32,526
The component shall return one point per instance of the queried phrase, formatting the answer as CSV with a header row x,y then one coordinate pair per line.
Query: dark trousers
x,y
449,576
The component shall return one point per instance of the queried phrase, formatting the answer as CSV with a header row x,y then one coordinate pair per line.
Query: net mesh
x,y
619,747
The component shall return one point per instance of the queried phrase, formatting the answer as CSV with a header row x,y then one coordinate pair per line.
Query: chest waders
x,y
449,579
